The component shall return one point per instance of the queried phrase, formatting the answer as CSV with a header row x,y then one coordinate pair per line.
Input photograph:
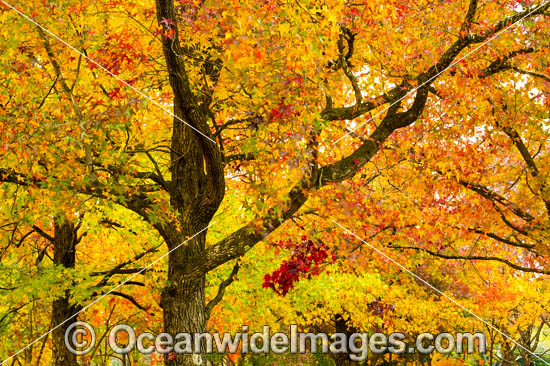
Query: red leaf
x,y
167,22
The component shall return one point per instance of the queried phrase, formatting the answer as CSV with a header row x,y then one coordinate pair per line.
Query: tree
x,y
262,91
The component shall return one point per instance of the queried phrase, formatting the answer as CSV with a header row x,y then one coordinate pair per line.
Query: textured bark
x,y
64,242
62,310
196,191
183,301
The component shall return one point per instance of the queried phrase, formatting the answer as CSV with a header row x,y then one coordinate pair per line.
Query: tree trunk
x,y
183,301
508,357
196,194
61,311
196,191
341,326
64,242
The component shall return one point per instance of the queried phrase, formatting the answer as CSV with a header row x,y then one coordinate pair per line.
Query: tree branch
x,y
237,243
119,269
221,290
129,298
136,202
531,73
470,15
69,94
158,178
473,257
495,197
525,154
241,157
43,233
502,63
501,239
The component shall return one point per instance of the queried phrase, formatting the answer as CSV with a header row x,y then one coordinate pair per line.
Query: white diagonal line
x,y
439,292
105,294
106,70
442,71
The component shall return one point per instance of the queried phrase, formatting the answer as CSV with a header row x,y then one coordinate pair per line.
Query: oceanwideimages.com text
x,y
80,339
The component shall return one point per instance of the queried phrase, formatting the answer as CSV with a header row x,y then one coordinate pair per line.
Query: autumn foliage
x,y
339,165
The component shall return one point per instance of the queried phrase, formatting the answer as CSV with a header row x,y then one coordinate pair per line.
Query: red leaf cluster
x,y
306,261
